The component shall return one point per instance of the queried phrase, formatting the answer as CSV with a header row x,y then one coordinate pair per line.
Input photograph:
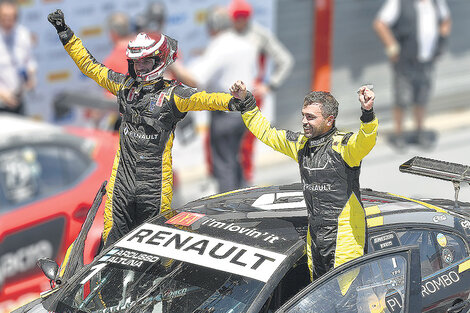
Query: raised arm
x,y
282,141
188,99
362,142
87,64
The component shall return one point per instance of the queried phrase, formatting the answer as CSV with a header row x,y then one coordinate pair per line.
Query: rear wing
x,y
453,172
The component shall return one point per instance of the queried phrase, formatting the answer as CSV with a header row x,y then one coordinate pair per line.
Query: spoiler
x,y
453,172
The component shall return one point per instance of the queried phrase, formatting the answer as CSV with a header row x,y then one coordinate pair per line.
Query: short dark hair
x,y
119,23
328,103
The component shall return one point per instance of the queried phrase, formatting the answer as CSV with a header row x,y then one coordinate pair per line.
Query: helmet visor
x,y
144,65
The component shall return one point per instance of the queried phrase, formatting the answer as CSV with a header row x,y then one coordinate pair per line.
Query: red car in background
x,y
49,176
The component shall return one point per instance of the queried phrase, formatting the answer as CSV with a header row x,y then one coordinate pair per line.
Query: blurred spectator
x,y
227,58
119,26
152,20
18,67
267,45
120,32
414,34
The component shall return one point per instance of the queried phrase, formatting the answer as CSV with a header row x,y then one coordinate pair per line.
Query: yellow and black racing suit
x,y
329,169
141,181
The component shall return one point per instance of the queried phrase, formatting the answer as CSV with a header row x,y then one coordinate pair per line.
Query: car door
x,y
448,287
384,281
73,259
445,263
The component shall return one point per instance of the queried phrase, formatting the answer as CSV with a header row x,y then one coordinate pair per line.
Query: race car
x,y
244,251
48,176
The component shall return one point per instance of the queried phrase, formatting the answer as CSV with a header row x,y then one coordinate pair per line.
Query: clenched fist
x,y
57,20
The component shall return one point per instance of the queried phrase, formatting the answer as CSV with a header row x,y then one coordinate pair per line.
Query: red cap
x,y
239,8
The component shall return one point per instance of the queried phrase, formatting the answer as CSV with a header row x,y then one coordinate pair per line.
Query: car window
x,y
378,285
31,172
450,248
75,164
437,249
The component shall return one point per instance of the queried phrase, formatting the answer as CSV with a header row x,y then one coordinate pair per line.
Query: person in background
x,y
330,164
414,34
17,63
141,181
269,48
227,58
119,28
152,22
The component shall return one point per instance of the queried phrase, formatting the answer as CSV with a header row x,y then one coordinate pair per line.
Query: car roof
x,y
258,246
13,125
17,130
249,226
286,202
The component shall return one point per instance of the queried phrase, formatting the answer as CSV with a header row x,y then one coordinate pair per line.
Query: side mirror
x,y
50,268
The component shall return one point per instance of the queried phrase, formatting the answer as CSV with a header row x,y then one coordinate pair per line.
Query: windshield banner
x,y
202,250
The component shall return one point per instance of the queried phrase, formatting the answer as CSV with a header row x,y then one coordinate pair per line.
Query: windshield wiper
x,y
95,290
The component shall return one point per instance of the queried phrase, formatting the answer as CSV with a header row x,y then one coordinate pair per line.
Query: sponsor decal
x,y
387,240
465,224
202,250
439,218
247,231
138,134
184,219
276,201
160,99
156,102
20,251
317,187
58,76
23,259
443,281
91,31
447,256
200,16
128,258
393,301
441,239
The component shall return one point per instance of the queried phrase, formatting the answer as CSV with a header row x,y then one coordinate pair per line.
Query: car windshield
x,y
129,281
188,263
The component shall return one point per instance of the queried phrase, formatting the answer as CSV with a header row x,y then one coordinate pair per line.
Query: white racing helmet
x,y
162,51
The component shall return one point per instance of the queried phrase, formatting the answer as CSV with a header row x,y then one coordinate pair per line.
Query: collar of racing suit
x,y
323,138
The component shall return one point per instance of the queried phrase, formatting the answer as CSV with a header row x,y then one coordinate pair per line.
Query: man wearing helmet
x,y
141,181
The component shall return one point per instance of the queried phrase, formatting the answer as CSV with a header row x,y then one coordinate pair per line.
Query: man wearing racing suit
x,y
329,163
141,181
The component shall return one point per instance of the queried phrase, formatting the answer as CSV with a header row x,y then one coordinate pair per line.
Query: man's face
x,y
240,23
313,122
7,16
143,66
